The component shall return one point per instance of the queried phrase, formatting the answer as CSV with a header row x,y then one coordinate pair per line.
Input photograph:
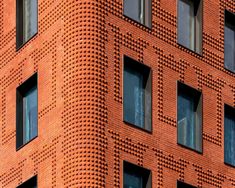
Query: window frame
x,y
231,107
230,14
32,180
177,102
198,28
19,25
30,83
150,178
147,16
139,64
184,184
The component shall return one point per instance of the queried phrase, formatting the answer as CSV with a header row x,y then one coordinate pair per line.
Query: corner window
x,y
137,102
229,135
31,183
189,115
184,185
26,111
229,41
26,21
138,10
136,176
190,24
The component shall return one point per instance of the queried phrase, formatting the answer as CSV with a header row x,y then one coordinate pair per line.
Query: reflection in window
x,y
229,135
189,114
138,10
30,114
136,176
190,24
27,20
137,94
229,41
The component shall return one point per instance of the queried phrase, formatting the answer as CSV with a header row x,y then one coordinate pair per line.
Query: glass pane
x,y
29,19
30,115
229,137
198,123
229,48
132,9
186,121
133,97
132,181
189,114
186,19
147,12
148,100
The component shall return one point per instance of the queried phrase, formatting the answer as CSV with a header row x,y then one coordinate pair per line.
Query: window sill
x,y
129,19
21,46
228,164
190,50
17,149
136,127
191,149
230,71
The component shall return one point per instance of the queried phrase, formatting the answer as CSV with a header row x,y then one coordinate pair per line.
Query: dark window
x,y
229,41
137,94
184,185
229,135
138,10
189,114
190,24
31,183
27,111
26,20
136,176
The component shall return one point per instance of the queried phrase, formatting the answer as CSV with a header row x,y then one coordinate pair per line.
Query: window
x,y
189,114
184,185
190,24
136,176
137,94
27,111
31,183
229,135
138,10
26,21
229,41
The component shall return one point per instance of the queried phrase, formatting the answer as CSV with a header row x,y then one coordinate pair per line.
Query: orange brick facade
x,y
82,139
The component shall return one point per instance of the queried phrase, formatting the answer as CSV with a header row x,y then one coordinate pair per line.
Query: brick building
x,y
117,93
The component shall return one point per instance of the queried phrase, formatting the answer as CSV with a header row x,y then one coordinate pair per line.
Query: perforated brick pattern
x,y
82,139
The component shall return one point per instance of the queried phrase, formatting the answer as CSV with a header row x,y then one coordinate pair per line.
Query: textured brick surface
x,y
82,139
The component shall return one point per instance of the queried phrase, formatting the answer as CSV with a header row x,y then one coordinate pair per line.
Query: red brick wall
x,y
158,48
43,54
78,54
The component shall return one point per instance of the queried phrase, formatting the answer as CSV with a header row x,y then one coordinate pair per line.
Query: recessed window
x,y
136,176
137,100
229,41
184,185
190,24
26,21
138,10
31,183
189,115
27,111
229,135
